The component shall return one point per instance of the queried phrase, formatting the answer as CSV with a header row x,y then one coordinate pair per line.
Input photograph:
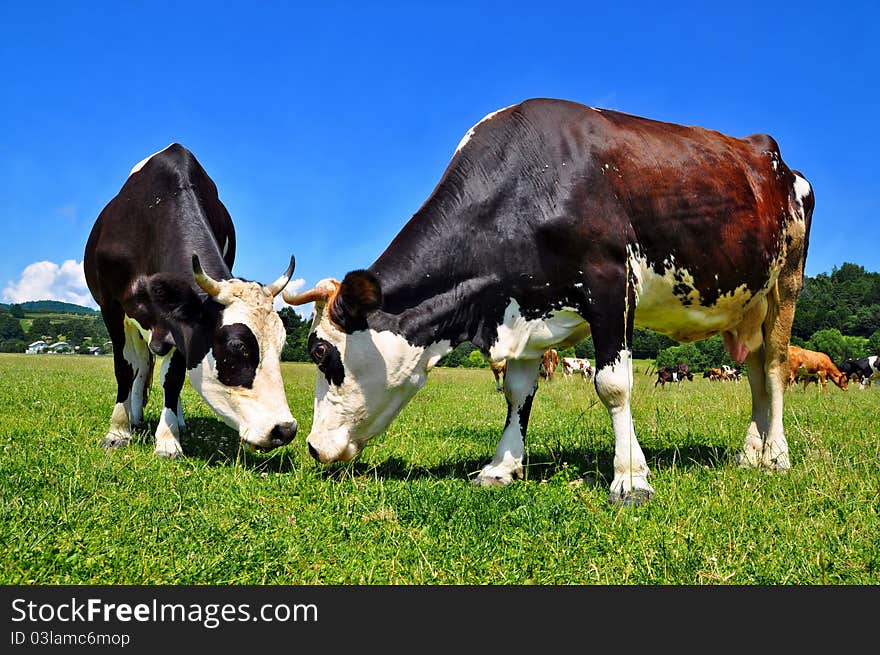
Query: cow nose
x,y
314,453
284,433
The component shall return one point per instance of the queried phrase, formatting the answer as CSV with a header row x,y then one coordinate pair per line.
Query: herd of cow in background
x,y
550,361
805,366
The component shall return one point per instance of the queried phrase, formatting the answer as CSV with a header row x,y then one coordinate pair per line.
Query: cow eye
x,y
318,352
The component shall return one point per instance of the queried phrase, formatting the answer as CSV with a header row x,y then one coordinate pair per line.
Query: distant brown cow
x,y
499,370
715,374
549,362
808,364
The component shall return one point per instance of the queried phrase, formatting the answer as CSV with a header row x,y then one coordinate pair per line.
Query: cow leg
x,y
133,366
120,425
765,443
753,450
613,380
168,431
769,372
520,384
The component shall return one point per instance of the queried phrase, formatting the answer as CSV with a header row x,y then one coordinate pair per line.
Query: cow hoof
x,y
163,454
632,498
112,441
168,449
779,465
486,481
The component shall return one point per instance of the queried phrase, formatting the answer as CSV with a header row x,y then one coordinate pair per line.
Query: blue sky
x,y
326,125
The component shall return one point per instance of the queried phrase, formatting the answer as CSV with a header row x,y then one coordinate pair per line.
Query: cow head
x,y
232,343
365,377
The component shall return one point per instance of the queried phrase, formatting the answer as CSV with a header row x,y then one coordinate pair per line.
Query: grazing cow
x,y
498,370
553,221
808,364
667,374
684,371
549,362
677,373
714,374
730,373
577,366
863,370
158,263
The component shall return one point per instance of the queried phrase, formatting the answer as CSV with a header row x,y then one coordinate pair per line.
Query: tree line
x,y
80,331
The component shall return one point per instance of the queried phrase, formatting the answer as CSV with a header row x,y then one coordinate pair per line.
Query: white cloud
x,y
47,280
293,287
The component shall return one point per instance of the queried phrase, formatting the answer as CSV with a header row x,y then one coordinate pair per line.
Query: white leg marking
x,y
167,442
520,384
170,424
614,387
120,427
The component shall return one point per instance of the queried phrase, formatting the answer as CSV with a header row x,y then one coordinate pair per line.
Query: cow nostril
x,y
313,453
284,432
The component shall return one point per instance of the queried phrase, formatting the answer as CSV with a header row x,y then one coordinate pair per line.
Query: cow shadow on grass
x,y
590,466
211,441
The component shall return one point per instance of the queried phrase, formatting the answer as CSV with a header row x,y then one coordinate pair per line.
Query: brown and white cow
x,y
549,362
595,221
812,366
577,366
158,262
498,370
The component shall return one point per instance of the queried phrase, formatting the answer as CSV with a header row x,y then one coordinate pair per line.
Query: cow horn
x,y
282,281
206,282
321,292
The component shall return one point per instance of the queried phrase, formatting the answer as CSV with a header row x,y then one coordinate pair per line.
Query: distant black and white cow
x,y
594,221
158,262
862,370
731,373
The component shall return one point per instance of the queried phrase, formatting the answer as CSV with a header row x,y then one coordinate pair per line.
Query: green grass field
x,y
405,513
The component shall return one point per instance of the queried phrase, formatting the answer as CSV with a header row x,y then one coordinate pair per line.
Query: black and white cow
x,y
595,221
862,370
158,262
731,372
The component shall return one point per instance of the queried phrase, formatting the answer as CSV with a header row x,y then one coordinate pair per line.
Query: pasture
x,y
405,513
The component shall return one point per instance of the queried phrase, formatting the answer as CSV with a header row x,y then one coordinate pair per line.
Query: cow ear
x,y
188,316
175,299
358,295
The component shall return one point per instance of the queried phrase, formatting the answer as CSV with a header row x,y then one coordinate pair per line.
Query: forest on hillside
x,y
837,313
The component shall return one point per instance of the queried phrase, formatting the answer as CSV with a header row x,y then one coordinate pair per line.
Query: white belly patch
x,y
522,338
670,303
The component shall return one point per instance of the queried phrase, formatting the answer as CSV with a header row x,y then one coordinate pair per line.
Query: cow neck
x,y
431,288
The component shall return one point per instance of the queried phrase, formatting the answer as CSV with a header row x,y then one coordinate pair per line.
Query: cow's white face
x,y
240,376
364,379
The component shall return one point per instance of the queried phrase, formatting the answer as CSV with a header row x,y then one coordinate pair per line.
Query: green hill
x,y
52,306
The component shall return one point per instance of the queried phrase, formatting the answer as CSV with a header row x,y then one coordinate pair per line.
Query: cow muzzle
x,y
280,435
332,447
